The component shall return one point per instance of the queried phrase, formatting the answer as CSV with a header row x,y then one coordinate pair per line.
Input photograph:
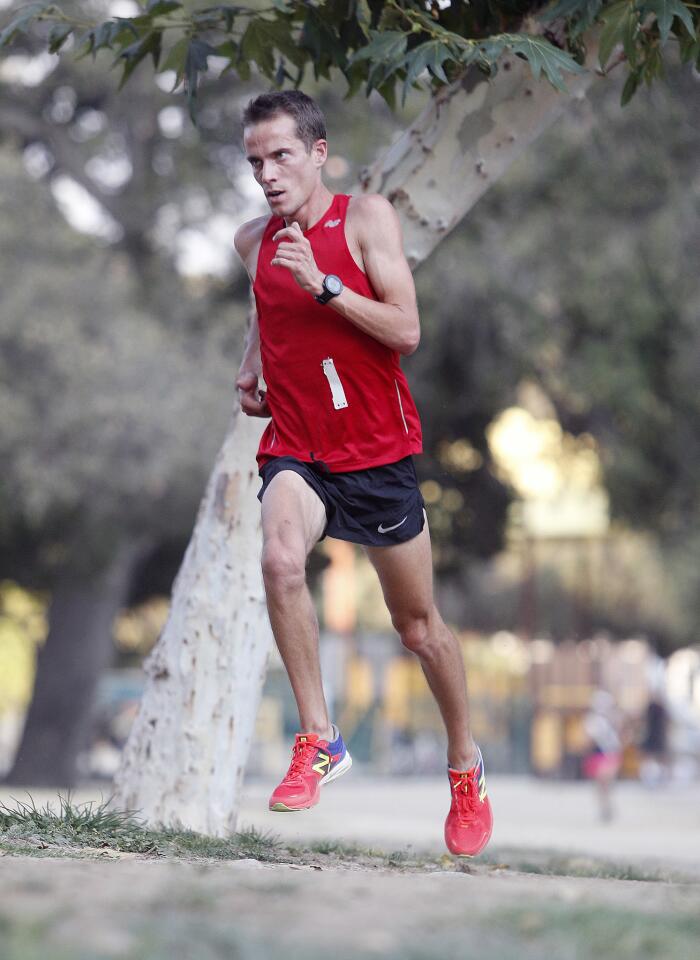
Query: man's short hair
x,y
311,124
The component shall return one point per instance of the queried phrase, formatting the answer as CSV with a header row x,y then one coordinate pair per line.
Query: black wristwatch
x,y
332,286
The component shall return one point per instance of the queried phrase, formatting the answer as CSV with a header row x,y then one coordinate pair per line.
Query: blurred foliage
x,y
137,629
101,405
22,628
373,44
578,271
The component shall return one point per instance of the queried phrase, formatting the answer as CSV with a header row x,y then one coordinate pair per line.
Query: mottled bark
x,y
463,142
186,755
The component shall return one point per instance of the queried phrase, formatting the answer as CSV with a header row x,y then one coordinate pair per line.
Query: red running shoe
x,y
314,762
469,823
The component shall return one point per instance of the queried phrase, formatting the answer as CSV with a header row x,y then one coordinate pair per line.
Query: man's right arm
x,y
252,399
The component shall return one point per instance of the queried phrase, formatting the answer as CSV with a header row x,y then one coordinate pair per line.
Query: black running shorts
x,y
377,507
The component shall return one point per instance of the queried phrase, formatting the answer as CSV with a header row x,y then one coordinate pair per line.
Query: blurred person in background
x,y
655,765
604,724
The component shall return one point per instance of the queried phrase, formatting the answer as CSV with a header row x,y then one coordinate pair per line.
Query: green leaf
x,y
386,53
222,12
387,90
363,15
198,52
543,56
175,60
282,74
665,11
630,32
486,52
104,36
630,87
243,70
428,56
157,8
578,14
58,36
566,9
689,49
138,51
354,75
22,22
320,40
255,47
262,37
654,65
614,18
229,49
384,45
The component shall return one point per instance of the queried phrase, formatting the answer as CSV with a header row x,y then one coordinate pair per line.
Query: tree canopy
x,y
387,46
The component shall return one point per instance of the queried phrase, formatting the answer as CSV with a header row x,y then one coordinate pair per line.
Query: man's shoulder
x,y
249,234
372,205
372,218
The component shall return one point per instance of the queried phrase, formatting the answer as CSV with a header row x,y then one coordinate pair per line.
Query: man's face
x,y
281,164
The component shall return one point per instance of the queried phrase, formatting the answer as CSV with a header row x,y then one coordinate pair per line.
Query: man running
x,y
336,306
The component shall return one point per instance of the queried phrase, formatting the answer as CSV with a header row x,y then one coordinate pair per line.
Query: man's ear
x,y
320,152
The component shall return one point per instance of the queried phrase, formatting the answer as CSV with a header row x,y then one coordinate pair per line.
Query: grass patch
x,y
72,829
45,831
75,830
74,818
334,846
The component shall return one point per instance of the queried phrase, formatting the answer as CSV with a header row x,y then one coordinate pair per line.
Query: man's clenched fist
x,y
295,253
253,401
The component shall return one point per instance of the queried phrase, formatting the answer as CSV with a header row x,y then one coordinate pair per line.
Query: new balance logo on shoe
x,y
383,529
331,223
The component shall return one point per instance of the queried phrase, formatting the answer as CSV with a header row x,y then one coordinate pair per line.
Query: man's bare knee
x,y
416,627
283,568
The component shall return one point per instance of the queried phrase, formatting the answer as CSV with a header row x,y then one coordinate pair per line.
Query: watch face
x,y
333,284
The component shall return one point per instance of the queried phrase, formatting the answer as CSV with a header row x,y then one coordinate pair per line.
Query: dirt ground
x,y
143,909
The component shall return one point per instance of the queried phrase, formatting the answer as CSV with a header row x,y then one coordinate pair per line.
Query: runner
x,y
335,308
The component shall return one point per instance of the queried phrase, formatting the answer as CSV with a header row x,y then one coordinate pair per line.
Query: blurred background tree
x,y
576,271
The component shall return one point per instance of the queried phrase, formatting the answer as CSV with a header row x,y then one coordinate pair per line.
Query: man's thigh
x,y
405,573
292,513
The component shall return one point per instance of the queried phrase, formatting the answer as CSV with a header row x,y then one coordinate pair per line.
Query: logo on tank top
x,y
331,223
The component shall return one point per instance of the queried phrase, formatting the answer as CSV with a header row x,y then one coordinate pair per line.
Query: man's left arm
x,y
393,318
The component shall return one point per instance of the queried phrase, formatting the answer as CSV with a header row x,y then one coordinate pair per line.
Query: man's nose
x,y
268,173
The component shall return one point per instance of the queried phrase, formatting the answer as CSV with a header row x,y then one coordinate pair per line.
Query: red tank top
x,y
336,394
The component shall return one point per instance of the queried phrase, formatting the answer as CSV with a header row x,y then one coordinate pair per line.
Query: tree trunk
x,y
185,758
77,650
463,142
186,754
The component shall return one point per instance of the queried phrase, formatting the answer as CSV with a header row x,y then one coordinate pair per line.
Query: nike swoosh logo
x,y
331,223
387,529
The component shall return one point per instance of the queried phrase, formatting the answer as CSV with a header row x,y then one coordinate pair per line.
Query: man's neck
x,y
313,209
